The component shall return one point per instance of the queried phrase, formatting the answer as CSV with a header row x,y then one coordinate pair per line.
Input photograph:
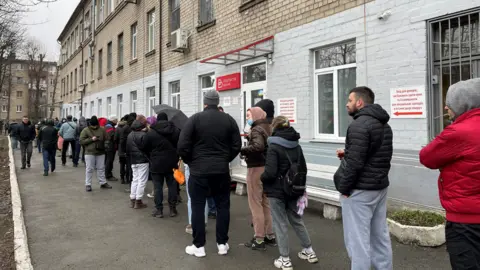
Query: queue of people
x,y
277,172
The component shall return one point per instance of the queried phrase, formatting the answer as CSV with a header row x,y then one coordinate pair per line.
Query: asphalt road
x,y
410,181
71,229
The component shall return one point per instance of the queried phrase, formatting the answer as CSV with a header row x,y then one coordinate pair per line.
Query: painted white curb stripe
x,y
22,254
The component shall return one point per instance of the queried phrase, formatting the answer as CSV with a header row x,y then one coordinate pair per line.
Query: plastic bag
x,y
60,143
179,176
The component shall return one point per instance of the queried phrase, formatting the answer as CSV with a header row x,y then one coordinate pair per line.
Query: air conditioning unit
x,y
179,40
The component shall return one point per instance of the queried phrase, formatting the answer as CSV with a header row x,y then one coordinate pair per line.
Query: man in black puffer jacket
x,y
140,163
209,141
363,185
161,144
122,147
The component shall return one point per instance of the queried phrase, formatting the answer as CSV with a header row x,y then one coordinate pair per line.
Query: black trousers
x,y
158,180
65,148
463,245
123,167
201,187
109,159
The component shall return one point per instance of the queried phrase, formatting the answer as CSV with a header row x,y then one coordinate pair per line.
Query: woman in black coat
x,y
283,147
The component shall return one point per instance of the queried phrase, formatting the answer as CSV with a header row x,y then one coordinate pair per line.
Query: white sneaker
x,y
283,263
223,249
197,252
150,195
311,257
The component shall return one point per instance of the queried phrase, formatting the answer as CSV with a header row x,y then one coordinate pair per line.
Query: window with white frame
x,y
175,94
120,105
151,30
120,50
101,10
133,101
19,108
109,106
207,82
111,6
150,100
92,108
133,42
4,108
74,111
84,109
335,76
109,56
174,15
100,109
205,13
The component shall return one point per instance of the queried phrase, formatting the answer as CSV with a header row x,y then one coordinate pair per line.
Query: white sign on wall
x,y
408,102
288,108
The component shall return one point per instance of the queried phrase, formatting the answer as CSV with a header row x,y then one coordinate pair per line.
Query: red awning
x,y
259,48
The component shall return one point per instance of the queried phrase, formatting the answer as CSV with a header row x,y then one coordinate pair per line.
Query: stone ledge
x,y
422,236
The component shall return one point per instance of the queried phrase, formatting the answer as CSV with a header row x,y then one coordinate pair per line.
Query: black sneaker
x,y
253,244
158,213
23,168
212,215
111,178
75,165
45,173
106,186
28,165
88,188
271,242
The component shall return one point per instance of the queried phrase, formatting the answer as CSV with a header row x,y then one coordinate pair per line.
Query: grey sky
x,y
46,21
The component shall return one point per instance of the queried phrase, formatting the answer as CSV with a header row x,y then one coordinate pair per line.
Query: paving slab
x,y
69,228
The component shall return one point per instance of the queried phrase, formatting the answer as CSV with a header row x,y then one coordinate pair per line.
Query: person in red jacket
x,y
456,153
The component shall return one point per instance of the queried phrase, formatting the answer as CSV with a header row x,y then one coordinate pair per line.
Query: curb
x,y
22,253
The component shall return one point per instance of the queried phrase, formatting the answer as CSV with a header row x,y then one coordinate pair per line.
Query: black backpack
x,y
295,181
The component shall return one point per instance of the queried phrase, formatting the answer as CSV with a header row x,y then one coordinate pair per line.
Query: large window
x,y
92,108
133,101
100,63
100,108
454,52
101,10
109,57
109,106
120,50
175,94
174,15
335,76
87,25
76,79
150,100
206,13
133,42
19,108
4,108
120,105
151,30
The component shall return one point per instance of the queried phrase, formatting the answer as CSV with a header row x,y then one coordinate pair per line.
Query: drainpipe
x,y
83,67
160,46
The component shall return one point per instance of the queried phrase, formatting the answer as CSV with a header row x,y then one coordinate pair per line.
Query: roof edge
x,y
70,21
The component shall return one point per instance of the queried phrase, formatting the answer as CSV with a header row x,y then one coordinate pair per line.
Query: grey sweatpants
x,y
365,229
282,215
95,162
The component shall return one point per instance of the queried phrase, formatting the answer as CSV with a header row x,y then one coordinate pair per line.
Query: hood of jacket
x,y
102,121
163,127
138,125
82,122
374,110
257,113
122,123
286,137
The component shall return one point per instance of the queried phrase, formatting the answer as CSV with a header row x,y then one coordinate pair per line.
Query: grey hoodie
x,y
464,96
82,123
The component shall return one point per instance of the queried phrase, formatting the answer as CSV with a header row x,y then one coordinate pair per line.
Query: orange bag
x,y
179,176
60,143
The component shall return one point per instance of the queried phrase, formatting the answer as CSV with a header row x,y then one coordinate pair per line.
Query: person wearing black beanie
x,y
267,106
93,138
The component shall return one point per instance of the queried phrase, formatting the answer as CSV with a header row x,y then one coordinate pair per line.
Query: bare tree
x,y
38,75
9,8
55,83
11,37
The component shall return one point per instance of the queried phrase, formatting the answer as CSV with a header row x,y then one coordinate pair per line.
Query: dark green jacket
x,y
96,148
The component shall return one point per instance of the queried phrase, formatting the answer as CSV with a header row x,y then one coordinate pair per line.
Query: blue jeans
x,y
211,205
14,142
39,146
48,156
189,202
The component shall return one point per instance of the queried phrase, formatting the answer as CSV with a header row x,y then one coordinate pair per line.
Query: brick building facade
x,y
120,56
23,89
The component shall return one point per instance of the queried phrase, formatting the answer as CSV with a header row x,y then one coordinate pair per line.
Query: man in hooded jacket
x,y
362,179
161,145
122,158
139,159
111,148
82,124
123,135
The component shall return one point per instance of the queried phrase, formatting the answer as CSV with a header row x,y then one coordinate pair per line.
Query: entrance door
x,y
254,89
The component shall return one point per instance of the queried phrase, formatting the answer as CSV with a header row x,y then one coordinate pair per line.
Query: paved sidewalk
x,y
71,229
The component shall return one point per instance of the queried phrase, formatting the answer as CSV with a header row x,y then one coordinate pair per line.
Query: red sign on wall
x,y
228,82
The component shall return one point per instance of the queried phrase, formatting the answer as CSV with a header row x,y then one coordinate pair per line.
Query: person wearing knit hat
x,y
110,147
208,142
267,106
94,138
455,152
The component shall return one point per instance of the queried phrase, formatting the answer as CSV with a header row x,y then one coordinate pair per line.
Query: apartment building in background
x,y
23,91
120,56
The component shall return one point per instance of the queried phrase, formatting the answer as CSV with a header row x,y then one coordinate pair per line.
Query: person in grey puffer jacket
x,y
67,131
82,124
